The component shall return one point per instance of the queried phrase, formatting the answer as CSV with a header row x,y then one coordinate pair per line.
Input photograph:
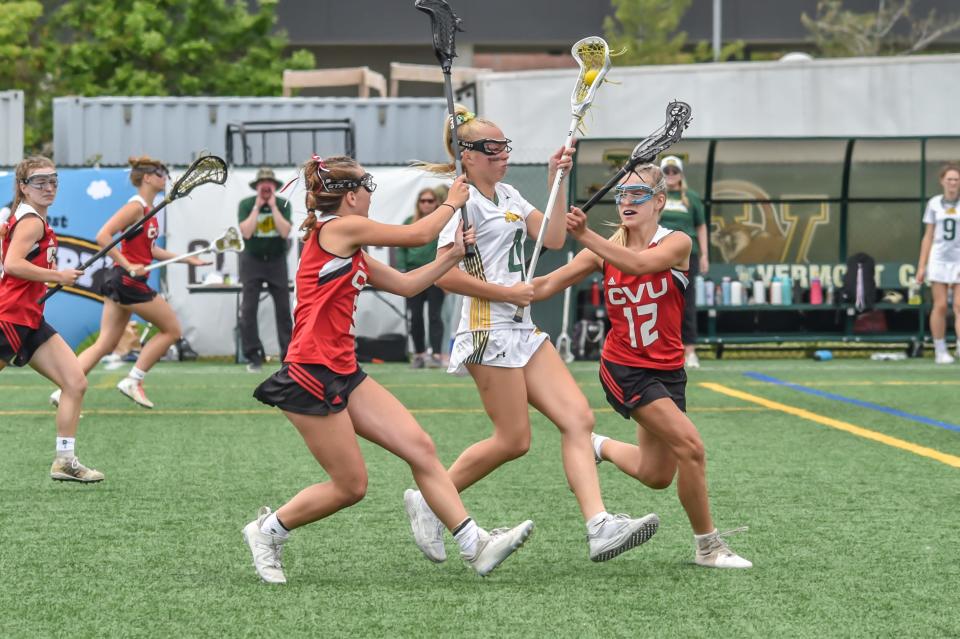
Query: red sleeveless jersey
x,y
138,249
327,289
18,297
645,313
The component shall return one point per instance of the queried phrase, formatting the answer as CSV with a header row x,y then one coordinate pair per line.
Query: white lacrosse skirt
x,y
943,272
505,347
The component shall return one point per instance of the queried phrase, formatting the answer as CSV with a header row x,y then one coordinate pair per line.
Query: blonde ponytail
x,y
467,129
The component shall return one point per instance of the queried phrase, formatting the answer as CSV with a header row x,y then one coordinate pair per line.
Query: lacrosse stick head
x,y
207,169
593,56
231,240
444,24
679,115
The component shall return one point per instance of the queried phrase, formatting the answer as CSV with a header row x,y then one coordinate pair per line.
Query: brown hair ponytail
x,y
338,167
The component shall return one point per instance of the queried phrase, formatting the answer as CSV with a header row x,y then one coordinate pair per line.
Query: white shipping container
x,y
389,131
11,127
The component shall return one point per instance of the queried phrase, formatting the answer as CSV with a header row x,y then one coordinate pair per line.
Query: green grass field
x,y
850,536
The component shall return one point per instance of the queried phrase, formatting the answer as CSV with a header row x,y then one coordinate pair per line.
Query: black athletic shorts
x,y
628,387
18,343
308,389
123,289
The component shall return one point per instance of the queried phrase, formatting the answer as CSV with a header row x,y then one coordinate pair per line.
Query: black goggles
x,y
350,184
487,146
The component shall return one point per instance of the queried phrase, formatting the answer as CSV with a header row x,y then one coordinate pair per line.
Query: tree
x,y
160,48
21,61
890,30
645,31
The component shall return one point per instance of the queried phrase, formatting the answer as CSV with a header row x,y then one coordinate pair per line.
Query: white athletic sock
x,y
272,526
65,446
704,537
940,345
467,536
137,374
594,523
598,443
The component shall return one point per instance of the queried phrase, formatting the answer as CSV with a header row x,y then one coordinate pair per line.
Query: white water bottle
x,y
759,292
736,293
700,288
776,292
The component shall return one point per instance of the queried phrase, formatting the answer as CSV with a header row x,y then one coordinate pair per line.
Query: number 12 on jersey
x,y
647,335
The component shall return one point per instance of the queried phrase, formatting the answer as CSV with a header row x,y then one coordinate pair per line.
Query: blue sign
x,y
86,199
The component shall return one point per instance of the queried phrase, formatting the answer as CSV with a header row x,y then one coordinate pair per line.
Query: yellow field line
x,y
271,411
923,451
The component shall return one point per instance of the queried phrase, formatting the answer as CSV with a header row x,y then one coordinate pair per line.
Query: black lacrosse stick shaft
x,y
444,25
106,249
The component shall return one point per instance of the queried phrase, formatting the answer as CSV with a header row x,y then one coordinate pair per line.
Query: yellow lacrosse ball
x,y
590,76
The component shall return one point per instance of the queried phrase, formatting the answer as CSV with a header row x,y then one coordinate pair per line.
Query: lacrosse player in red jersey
x,y
644,267
513,364
28,252
325,394
125,290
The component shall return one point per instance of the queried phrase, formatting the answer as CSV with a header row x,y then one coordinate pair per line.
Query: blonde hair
x,y
651,176
339,167
417,215
22,171
141,166
468,131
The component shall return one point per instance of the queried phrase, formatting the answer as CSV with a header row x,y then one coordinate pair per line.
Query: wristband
x,y
450,205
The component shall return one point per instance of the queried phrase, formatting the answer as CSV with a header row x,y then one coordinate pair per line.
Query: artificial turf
x,y
849,537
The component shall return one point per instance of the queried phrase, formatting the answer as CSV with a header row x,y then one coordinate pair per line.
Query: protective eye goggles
x,y
487,146
623,193
42,181
349,184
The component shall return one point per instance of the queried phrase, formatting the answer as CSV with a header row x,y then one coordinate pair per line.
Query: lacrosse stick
x,y
563,340
444,24
678,119
593,56
204,170
231,240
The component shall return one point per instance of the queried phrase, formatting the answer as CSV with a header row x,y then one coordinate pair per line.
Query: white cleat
x,y
495,546
943,358
691,361
55,398
620,533
266,550
427,529
713,552
134,390
70,469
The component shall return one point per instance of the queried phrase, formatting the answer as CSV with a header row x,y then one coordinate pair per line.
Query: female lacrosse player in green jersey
x,y
684,212
513,363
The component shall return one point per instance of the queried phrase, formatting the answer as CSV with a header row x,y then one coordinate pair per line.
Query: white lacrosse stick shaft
x,y
563,340
547,214
179,258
